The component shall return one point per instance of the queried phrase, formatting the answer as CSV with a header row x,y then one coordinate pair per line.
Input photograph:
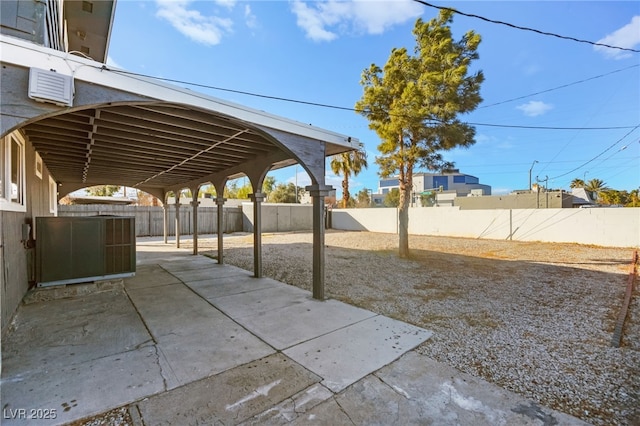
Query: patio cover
x,y
135,131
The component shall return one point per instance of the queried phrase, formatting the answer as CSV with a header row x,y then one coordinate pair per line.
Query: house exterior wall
x,y
17,254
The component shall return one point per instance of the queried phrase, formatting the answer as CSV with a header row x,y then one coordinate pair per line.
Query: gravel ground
x,y
534,318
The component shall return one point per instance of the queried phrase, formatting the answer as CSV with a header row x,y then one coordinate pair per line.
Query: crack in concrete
x,y
143,344
146,326
156,351
394,388
344,411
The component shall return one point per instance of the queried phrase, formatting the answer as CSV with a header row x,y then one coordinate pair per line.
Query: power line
x,y
317,104
558,87
470,15
241,92
594,158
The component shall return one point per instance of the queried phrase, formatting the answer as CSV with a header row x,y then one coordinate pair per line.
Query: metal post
x,y
257,199
318,192
194,204
220,211
177,221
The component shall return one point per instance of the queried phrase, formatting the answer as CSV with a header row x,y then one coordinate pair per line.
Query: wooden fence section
x,y
149,220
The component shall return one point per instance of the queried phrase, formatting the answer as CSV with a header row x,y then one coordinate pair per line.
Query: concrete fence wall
x,y
149,220
280,217
612,227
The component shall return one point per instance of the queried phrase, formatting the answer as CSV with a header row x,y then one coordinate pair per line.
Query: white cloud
x,y
190,22
249,18
226,3
310,20
324,21
627,37
534,108
300,176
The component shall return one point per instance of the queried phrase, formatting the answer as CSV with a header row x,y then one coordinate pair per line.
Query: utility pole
x,y
530,170
546,192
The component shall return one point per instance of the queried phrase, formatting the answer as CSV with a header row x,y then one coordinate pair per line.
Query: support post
x,y
177,221
165,221
194,204
318,192
220,212
257,199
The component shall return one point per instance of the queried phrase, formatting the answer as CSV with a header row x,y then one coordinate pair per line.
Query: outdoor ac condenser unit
x,y
50,86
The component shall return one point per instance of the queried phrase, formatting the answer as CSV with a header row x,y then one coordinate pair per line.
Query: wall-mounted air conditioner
x,y
50,86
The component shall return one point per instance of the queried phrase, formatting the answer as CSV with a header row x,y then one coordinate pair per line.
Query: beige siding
x,y
16,255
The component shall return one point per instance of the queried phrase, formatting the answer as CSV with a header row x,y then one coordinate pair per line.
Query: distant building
x,y
536,199
453,183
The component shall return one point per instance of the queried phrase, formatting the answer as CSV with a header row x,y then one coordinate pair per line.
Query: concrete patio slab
x,y
76,391
230,397
69,331
419,390
302,321
174,308
225,286
150,276
346,355
292,408
195,339
191,263
261,300
204,353
207,272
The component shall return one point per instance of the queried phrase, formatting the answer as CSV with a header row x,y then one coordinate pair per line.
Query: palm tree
x,y
634,198
577,183
596,186
347,164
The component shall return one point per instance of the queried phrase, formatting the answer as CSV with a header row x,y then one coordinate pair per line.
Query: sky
x,y
315,51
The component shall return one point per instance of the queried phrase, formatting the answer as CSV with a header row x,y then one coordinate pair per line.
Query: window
x,y
12,173
53,196
38,166
459,179
441,181
389,182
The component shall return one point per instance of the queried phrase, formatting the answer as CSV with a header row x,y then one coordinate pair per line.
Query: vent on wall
x,y
49,86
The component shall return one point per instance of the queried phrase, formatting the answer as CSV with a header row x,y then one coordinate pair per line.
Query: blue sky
x,y
316,51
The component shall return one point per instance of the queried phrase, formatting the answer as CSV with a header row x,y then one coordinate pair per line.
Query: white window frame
x,y
6,203
53,196
38,166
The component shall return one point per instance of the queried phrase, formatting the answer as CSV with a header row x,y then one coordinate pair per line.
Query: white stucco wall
x,y
375,220
613,227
